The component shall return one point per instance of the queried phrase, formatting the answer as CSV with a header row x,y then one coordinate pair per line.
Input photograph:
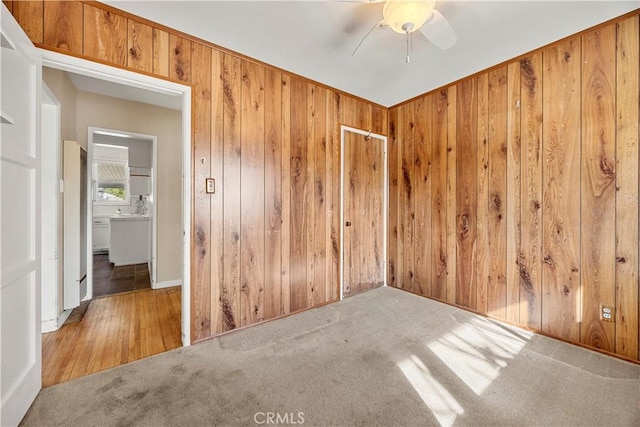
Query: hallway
x,y
114,330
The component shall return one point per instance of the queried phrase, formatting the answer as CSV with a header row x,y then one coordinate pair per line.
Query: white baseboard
x,y
49,325
166,284
54,324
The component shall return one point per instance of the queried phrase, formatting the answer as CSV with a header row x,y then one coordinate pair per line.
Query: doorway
x,y
363,214
139,82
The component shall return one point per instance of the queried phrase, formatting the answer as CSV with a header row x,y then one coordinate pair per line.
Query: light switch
x,y
211,185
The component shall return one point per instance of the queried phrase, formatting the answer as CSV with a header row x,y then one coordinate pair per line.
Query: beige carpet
x,y
384,357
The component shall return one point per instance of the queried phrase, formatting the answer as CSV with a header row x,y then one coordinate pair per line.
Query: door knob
x,y
347,224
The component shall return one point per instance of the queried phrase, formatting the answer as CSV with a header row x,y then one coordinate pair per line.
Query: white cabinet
x,y
101,234
129,240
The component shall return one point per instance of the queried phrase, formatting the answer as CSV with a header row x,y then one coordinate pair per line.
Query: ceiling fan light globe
x,y
398,13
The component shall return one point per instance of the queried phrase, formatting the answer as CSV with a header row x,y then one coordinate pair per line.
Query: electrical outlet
x,y
607,313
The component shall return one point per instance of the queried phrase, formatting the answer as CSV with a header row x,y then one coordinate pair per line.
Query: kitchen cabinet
x,y
129,240
101,234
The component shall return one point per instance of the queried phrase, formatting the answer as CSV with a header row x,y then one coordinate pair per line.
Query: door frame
x,y
153,140
385,205
130,78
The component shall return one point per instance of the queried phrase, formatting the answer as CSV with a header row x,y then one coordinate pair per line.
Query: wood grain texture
x,y
252,195
105,35
452,151
216,206
9,5
63,25
466,193
513,201
285,251
179,58
393,161
531,190
30,16
561,304
497,186
161,52
423,142
482,240
320,217
407,196
598,185
201,238
439,156
140,46
114,330
273,194
627,116
299,215
309,194
230,293
333,166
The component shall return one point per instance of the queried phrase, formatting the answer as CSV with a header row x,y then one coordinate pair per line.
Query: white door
x,y
20,340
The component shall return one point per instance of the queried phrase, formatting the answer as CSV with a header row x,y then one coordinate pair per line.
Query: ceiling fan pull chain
x,y
408,60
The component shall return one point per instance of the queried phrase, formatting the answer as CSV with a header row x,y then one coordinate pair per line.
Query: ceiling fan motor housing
x,y
406,16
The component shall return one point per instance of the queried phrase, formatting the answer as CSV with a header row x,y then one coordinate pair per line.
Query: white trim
x,y
385,208
166,284
130,78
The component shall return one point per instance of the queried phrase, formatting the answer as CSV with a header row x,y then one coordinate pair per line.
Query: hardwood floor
x,y
115,330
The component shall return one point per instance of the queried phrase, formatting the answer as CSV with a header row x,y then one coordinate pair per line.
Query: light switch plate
x,y
210,185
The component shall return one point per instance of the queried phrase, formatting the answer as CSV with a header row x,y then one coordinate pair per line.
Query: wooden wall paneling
x,y
252,194
407,197
140,46
531,207
285,251
497,286
273,193
374,151
309,198
482,232
423,141
161,52
379,120
179,58
299,182
466,192
560,84
513,199
30,16
218,303
201,239
598,186
230,293
439,196
627,89
319,278
63,25
393,161
105,35
333,162
452,147
9,5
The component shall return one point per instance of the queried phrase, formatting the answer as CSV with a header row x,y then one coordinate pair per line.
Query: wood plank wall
x,y
532,181
266,243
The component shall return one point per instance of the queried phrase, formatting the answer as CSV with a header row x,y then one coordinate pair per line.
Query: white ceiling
x,y
315,39
130,93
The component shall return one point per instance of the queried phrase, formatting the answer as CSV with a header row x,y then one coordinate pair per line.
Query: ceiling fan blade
x,y
439,31
377,24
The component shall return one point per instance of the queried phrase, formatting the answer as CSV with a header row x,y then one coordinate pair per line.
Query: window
x,y
110,174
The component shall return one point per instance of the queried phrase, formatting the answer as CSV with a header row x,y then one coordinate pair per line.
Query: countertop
x,y
129,217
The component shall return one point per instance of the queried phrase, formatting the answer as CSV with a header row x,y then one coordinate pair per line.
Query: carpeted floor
x,y
384,357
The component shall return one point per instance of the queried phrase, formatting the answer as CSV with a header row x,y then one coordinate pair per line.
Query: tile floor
x,y
110,280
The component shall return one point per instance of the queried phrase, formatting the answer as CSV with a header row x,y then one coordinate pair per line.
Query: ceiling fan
x,y
407,16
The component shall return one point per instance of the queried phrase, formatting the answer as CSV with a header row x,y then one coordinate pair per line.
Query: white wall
x,y
65,92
